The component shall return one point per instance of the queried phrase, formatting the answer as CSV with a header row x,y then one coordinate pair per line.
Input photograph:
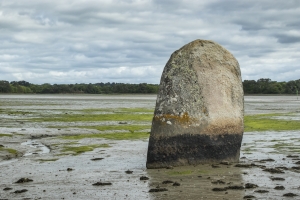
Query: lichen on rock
x,y
200,97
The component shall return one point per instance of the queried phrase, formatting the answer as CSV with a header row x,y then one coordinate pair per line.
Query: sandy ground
x,y
123,164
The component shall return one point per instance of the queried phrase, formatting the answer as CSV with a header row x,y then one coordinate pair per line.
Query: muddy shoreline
x,y
268,159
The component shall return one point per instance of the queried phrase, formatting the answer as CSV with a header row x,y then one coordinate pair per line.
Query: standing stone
x,y
199,110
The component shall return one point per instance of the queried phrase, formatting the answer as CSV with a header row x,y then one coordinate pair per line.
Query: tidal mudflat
x,y
94,147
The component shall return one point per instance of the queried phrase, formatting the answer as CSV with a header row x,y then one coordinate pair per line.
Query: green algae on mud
x,y
131,127
266,122
120,110
76,150
5,135
202,172
110,136
137,110
110,114
9,150
95,117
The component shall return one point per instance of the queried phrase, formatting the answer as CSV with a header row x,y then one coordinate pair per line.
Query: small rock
x,y
290,195
24,180
158,190
298,163
235,187
218,182
250,185
292,156
123,123
143,178
297,168
176,184
277,179
274,170
284,168
1,145
249,197
219,189
128,172
102,183
261,191
260,166
280,187
70,169
94,159
167,182
249,165
7,188
20,191
267,160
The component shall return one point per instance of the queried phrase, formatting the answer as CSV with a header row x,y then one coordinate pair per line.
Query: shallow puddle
x,y
38,147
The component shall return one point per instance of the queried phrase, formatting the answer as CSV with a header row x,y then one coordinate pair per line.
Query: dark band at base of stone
x,y
190,149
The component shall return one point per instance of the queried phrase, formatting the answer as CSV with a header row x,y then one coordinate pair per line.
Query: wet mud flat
x,y
59,159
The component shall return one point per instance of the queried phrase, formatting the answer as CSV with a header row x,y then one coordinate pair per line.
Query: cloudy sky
x,y
130,41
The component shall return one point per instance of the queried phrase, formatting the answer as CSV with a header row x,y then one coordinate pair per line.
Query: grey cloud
x,y
283,38
83,38
250,25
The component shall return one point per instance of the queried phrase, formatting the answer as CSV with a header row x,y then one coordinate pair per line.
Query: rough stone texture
x,y
199,109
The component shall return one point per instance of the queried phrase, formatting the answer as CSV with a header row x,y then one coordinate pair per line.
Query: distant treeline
x,y
97,88
261,86
267,86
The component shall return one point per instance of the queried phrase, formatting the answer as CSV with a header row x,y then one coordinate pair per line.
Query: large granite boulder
x,y
199,110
